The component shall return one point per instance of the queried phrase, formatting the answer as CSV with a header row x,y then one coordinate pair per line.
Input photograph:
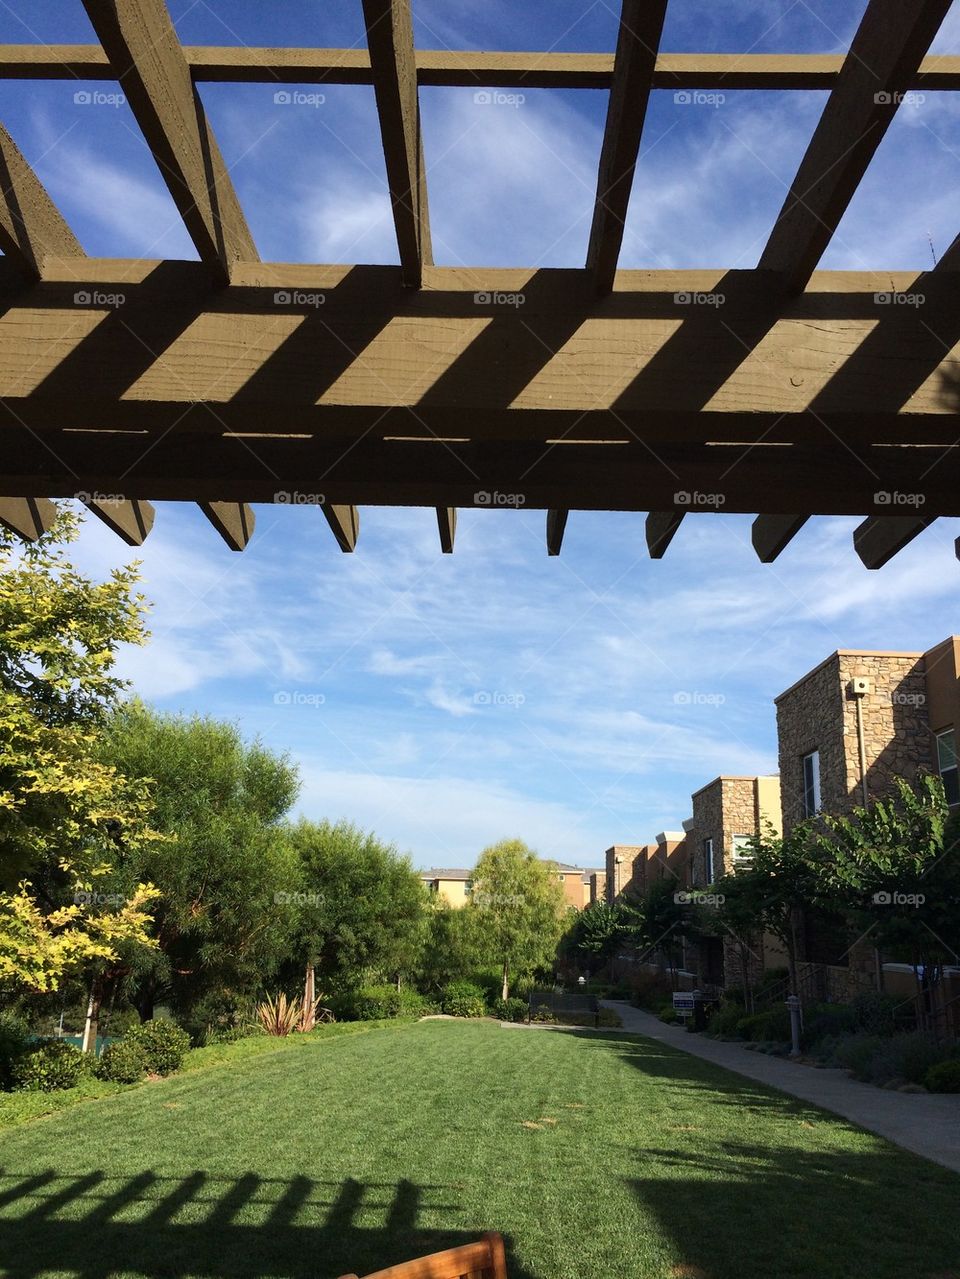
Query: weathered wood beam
x,y
31,226
148,60
883,61
344,523
772,534
556,527
390,41
167,350
27,517
234,521
880,537
447,523
249,65
131,520
661,528
641,24
826,478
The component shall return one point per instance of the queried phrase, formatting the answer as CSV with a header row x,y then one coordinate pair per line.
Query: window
x,y
947,764
811,784
708,860
467,887
742,850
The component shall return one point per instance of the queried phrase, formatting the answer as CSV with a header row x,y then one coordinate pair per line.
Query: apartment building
x,y
455,886
846,730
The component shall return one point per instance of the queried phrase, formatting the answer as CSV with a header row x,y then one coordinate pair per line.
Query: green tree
x,y
520,908
593,935
66,816
894,869
360,906
227,864
452,946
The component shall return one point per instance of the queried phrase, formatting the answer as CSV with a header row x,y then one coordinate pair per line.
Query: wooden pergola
x,y
231,381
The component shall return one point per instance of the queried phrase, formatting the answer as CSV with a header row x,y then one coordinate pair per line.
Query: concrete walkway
x,y
926,1124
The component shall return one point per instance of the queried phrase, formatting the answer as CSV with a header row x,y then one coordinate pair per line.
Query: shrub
x,y
725,1020
122,1062
545,1015
875,1013
463,999
668,1014
378,1003
822,1021
650,991
279,1017
512,1009
855,1052
771,1024
163,1043
943,1077
49,1066
14,1042
907,1057
610,1017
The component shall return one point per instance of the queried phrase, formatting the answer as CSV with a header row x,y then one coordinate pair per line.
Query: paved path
x,y
926,1124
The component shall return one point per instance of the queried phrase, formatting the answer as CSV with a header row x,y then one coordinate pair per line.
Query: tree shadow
x,y
242,1227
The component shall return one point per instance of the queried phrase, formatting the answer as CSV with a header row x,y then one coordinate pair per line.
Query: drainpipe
x,y
858,689
863,750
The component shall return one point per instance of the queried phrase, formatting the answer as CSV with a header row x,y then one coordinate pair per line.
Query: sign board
x,y
683,1001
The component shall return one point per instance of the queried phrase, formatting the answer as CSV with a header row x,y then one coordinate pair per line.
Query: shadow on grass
x,y
93,1226
735,1210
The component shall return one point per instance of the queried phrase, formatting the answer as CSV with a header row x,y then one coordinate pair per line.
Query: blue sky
x,y
447,702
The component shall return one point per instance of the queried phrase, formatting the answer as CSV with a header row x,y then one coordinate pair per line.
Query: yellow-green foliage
x,y
63,813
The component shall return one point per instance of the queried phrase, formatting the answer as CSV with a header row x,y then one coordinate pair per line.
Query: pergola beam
x,y
234,521
131,520
883,61
344,521
878,539
556,527
661,528
147,58
772,534
641,24
27,517
31,227
447,524
393,62
241,64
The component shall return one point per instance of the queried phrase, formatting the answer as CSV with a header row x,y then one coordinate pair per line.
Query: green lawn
x,y
598,1157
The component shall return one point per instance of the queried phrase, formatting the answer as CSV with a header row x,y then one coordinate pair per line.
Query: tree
x,y
594,935
227,867
894,869
66,817
452,945
359,908
520,908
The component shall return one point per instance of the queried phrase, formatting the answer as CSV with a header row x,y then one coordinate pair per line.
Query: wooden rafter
x,y
31,227
772,534
447,524
878,539
661,529
234,521
883,61
641,22
393,62
130,520
147,58
242,64
556,527
344,523
27,517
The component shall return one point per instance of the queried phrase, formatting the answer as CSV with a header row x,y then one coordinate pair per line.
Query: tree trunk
x,y
89,1043
506,980
308,1019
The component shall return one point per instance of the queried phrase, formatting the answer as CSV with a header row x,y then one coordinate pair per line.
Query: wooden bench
x,y
483,1260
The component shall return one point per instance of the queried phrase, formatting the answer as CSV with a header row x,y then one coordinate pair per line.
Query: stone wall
x,y
625,867
820,714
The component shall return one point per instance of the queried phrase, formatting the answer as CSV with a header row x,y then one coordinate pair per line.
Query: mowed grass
x,y
597,1156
